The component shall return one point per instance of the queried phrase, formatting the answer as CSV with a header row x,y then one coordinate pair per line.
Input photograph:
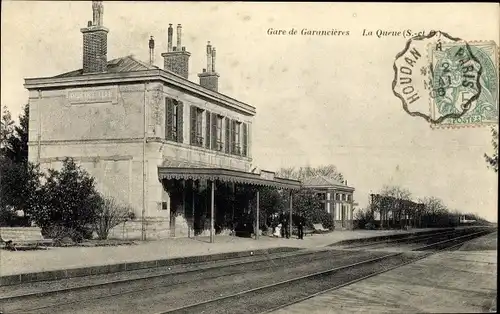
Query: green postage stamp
x,y
447,81
464,81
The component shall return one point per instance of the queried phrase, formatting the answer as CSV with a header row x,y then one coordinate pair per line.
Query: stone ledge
x,y
114,268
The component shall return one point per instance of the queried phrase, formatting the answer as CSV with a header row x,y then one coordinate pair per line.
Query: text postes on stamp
x,y
440,78
464,80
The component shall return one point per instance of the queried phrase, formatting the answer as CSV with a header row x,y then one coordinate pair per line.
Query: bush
x,y
7,216
327,220
68,200
65,235
364,219
109,215
369,226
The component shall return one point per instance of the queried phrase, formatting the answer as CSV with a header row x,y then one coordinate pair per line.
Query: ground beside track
x,y
459,281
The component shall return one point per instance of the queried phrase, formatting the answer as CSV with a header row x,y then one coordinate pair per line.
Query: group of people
x,y
283,227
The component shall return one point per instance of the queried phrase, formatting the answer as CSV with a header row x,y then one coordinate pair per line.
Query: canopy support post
x,y
212,212
291,209
257,214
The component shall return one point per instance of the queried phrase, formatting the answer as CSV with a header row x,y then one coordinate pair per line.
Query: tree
x,y
18,142
434,205
398,193
436,214
364,219
6,130
329,171
15,137
493,160
271,202
307,203
20,186
69,200
20,179
109,215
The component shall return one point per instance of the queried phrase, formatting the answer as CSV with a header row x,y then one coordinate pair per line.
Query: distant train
x,y
464,220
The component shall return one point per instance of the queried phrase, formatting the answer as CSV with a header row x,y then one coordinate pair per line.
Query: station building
x,y
337,198
153,139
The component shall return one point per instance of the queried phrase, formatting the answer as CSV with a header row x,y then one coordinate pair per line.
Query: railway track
x,y
44,301
405,240
409,239
342,273
286,293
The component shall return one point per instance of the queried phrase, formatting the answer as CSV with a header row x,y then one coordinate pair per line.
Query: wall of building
x,y
102,128
167,153
108,112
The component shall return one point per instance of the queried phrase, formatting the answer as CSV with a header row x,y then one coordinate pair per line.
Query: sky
x,y
319,99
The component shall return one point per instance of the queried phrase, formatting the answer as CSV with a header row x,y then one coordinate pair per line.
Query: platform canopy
x,y
264,178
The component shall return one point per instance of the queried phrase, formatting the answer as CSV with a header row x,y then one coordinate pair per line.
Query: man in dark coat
x,y
300,226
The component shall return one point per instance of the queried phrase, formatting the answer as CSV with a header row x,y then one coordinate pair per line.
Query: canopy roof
x,y
322,182
265,178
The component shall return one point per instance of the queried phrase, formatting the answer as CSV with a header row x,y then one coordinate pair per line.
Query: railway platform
x,y
285,278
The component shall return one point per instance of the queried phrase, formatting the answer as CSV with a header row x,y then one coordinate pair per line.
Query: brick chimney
x,y
209,78
95,42
176,59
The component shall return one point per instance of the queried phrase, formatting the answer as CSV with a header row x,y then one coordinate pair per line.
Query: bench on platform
x,y
22,238
319,228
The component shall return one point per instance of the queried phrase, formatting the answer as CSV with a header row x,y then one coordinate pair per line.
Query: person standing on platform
x,y
300,227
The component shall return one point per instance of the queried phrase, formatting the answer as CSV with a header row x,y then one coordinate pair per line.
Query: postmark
x,y
457,99
440,79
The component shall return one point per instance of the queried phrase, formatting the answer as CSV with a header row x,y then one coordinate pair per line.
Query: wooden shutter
x,y
227,123
249,140
233,136
207,128
180,122
245,139
169,122
215,134
193,125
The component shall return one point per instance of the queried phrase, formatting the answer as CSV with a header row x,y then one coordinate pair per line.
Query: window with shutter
x,y
208,129
245,140
220,140
175,117
180,122
249,140
215,134
228,135
199,127
192,126
237,138
169,118
233,137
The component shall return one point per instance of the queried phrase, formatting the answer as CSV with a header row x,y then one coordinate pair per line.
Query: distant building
x,y
151,138
338,199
